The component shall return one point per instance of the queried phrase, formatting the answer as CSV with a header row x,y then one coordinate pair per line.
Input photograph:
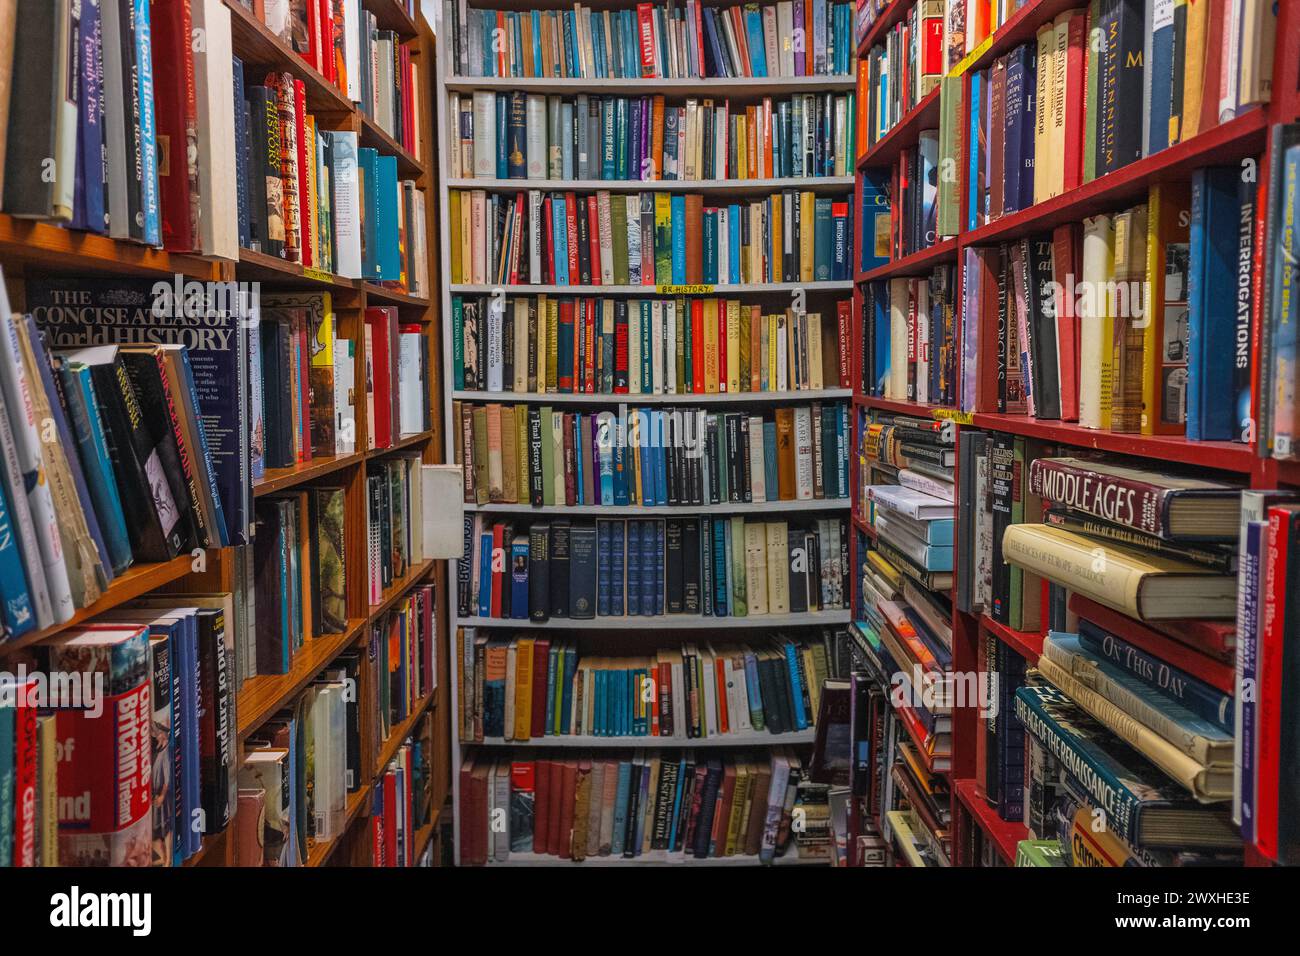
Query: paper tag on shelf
x,y
698,289
953,415
317,274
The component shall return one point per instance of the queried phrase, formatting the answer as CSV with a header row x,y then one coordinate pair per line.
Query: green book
x,y
736,548
458,341
329,575
618,226
1040,853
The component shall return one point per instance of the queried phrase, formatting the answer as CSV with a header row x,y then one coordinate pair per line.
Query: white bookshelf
x,y
742,89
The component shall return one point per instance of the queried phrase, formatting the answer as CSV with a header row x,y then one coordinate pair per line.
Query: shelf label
x,y
966,61
317,274
953,415
697,289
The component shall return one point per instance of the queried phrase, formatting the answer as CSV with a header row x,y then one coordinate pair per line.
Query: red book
x,y
498,568
932,49
699,39
571,229
26,761
469,814
523,781
304,174
842,319
570,464
516,237
593,237
554,804
390,817
589,338
722,815
325,55
720,675
541,657
722,345
1216,638
542,808
176,115
568,788
377,317
565,369
1065,262
313,33
645,24
620,352
1270,774
548,231
377,839
1213,66
1076,81
697,345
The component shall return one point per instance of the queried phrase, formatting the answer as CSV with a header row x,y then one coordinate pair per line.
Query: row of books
x,y
924,448
400,807
342,41
105,465
115,774
693,40
395,493
716,567
1279,402
909,341
1153,334
315,197
672,346
518,688
652,805
516,454
402,660
901,69
646,239
532,136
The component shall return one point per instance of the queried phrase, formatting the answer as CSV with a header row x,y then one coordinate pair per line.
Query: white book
x,y
782,357
757,471
634,346
345,418
923,342
214,90
520,358
346,204
605,224
485,134
633,201
710,685
778,567
803,453
1094,323
352,48
535,135
656,347
495,341
896,384
535,238
670,347
410,379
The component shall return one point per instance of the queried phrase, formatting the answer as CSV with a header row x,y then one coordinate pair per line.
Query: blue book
x,y
503,136
560,239
633,568
16,614
608,165
567,159
757,54
659,453
605,452
650,570
708,246
661,532
1250,582
485,574
822,240
620,138
974,209
620,477
734,216
536,17
387,233
91,174
620,807
148,132
769,460
1285,256
617,564
6,786
1160,71
719,559
570,668
368,173
676,814
1211,304
753,691
678,211
715,62
1191,692
548,724
799,715
519,577
1018,86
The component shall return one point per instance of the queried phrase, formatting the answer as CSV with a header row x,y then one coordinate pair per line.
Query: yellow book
x,y
814,344
1127,325
1164,374
1042,114
711,346
509,456
755,257
311,215
807,232
523,689
453,220
552,352
480,428
466,237
742,153
1060,60
737,808
1193,71
521,456
772,273
778,568
733,346
772,351
48,751
540,346
496,479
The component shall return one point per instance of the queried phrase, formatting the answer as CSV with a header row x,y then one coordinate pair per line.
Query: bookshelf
x,y
32,248
633,631
1243,139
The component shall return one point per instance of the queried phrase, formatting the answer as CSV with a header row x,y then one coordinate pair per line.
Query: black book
x,y
691,566
714,492
1042,313
708,806
276,395
814,576
268,551
560,567
535,491
674,570
508,346
265,169
539,573
631,846
584,243
1003,327
347,667
746,475
1120,78
733,457
583,560
216,722
772,717
797,550
40,68
1002,477
706,567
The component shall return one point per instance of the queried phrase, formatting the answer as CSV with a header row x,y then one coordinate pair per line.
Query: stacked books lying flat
x,y
653,805
1151,335
1077,767
165,666
517,454
672,346
105,464
1147,573
902,68
315,198
402,660
917,524
400,807
716,567
925,447
395,504
1267,624
336,39
909,343
649,238
651,41
899,792
299,768
520,688
644,138
1043,129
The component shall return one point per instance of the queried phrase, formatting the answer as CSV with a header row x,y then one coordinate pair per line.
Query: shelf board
x,y
817,184
918,263
898,406
319,852
390,15
1004,834
402,444
865,528
280,479
397,590
756,86
1025,643
641,511
750,739
46,247
657,858
1020,26
710,398
134,581
263,695
257,46
664,622
1226,143
903,134
276,272
845,285
375,137
382,295
1223,455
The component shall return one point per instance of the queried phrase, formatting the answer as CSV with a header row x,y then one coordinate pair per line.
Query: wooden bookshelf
x,y
665,628
1233,142
30,248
